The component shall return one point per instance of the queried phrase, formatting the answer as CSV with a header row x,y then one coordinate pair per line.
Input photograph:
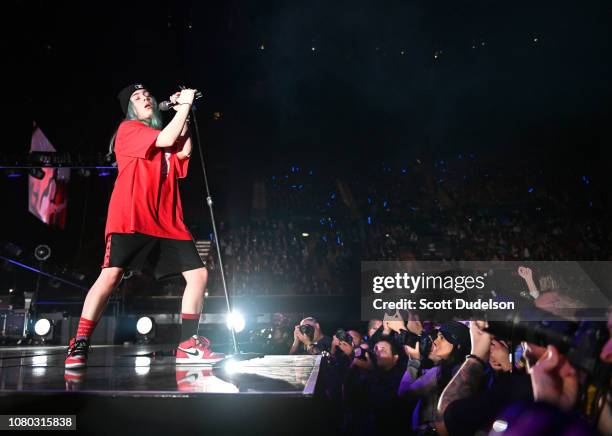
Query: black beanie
x,y
126,93
457,334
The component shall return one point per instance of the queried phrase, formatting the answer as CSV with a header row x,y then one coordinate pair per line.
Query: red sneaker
x,y
189,378
195,350
77,353
73,378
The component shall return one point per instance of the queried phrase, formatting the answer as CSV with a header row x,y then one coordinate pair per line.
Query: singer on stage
x,y
145,219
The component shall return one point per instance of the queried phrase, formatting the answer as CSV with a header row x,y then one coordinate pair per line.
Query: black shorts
x,y
168,256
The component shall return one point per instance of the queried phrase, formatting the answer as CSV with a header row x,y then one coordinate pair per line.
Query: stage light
x,y
144,326
42,327
305,235
500,426
42,252
236,321
145,330
231,366
43,330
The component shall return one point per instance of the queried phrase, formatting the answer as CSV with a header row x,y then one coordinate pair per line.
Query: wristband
x,y
478,359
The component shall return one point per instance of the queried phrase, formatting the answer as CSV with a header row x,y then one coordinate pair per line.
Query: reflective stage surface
x,y
151,371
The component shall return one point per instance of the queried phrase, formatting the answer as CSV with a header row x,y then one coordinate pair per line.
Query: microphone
x,y
166,105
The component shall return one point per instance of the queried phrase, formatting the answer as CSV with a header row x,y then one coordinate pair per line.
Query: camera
x,y
307,330
580,342
425,341
343,335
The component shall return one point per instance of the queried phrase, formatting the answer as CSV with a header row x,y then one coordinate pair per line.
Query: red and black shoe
x,y
196,350
74,378
77,353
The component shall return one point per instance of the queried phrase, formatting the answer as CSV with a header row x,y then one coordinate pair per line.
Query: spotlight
x,y
37,173
236,321
232,366
43,330
42,252
145,329
500,426
144,326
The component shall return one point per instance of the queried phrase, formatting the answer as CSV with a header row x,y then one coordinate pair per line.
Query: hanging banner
x,y
47,195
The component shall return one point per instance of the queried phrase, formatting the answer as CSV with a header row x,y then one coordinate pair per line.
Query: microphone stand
x,y
238,356
209,202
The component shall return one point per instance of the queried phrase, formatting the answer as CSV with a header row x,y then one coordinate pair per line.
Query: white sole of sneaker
x,y
187,361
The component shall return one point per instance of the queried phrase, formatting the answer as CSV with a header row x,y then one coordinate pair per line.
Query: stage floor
x,y
151,371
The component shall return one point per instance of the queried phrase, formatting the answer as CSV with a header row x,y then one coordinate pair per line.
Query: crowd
x,y
407,376
273,257
318,226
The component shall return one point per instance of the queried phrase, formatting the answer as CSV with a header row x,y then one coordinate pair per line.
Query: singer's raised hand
x,y
186,96
173,99
169,134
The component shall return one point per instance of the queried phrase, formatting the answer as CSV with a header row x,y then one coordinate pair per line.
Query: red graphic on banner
x,y
47,197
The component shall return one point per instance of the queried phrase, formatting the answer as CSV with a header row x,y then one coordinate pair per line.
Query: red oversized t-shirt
x,y
146,195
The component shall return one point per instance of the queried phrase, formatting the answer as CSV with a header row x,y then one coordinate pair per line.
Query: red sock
x,y
86,328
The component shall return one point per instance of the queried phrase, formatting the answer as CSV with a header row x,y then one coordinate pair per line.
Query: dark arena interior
x,y
307,217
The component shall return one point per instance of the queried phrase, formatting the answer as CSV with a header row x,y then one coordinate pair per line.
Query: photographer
x,y
357,338
575,382
467,404
370,391
309,339
334,370
447,353
556,381
395,328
